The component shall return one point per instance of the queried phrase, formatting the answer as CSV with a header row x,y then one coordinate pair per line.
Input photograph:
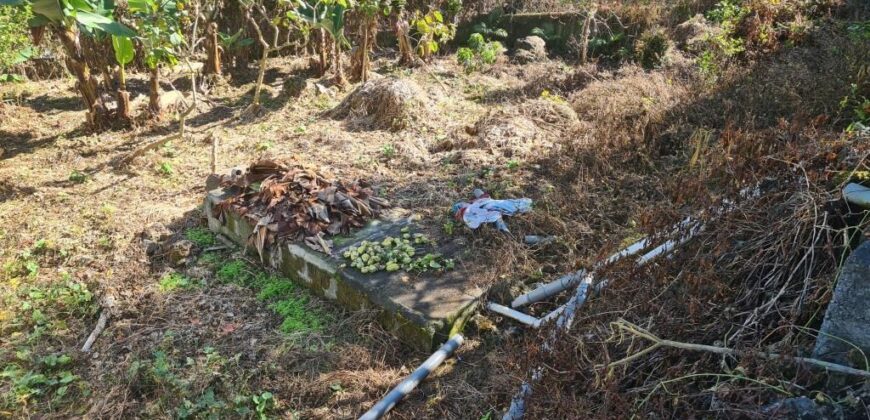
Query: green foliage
x,y
388,151
15,47
159,24
488,27
857,108
77,176
93,17
479,53
285,298
235,271
651,48
547,32
329,15
124,50
430,32
165,169
174,281
45,378
200,236
234,42
611,45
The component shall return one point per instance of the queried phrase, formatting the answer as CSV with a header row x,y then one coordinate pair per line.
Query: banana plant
x,y
68,20
159,24
432,32
328,16
124,53
369,11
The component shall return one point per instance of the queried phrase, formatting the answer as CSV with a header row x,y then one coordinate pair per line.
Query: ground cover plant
x,y
636,116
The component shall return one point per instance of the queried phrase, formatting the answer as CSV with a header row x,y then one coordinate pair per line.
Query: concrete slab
x,y
422,310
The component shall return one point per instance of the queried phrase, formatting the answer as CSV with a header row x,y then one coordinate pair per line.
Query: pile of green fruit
x,y
393,254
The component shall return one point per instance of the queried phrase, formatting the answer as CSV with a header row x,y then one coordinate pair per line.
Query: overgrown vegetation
x,y
631,117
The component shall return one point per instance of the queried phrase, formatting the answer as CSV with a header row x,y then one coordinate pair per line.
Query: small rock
x,y
179,251
530,49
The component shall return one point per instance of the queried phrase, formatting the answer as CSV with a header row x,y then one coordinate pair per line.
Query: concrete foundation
x,y
421,309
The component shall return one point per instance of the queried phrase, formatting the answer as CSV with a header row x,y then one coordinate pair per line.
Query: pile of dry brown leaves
x,y
292,203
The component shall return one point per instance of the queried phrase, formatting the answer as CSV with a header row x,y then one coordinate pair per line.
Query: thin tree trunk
x,y
323,51
123,96
261,66
364,50
154,92
587,28
336,59
212,46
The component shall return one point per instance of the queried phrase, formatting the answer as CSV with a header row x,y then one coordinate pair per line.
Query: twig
x,y
633,329
150,146
98,329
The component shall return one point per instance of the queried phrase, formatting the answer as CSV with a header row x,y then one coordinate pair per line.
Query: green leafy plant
x,y
431,32
651,48
388,151
174,281
77,177
858,106
68,20
489,26
15,47
165,169
234,42
202,237
479,53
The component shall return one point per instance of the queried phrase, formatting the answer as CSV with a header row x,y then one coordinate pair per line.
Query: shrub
x,y
651,49
14,44
479,53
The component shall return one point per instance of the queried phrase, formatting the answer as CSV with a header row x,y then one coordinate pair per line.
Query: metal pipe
x,y
411,382
515,315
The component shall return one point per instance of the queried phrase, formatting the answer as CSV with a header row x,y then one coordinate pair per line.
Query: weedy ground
x,y
607,152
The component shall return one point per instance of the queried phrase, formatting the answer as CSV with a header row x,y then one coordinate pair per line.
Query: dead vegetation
x,y
383,104
610,152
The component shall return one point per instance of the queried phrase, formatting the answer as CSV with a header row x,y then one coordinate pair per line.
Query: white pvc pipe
x,y
515,315
549,289
406,386
857,194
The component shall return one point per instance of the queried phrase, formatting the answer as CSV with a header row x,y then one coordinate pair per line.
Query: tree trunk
x,y
587,28
336,60
123,97
212,47
154,91
98,116
323,51
364,49
405,50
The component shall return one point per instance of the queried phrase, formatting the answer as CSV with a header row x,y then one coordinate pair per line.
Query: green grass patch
x,y
174,281
202,237
283,296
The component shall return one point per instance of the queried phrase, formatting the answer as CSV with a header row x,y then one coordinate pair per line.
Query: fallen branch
x,y
98,329
623,325
150,146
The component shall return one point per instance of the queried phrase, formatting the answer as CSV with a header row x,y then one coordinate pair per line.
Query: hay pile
x,y
627,106
382,104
